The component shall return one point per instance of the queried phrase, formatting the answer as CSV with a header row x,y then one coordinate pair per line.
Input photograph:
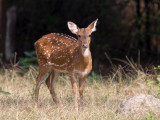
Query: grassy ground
x,y
101,97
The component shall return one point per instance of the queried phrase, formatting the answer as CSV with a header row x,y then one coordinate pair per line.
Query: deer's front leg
x,y
81,88
74,86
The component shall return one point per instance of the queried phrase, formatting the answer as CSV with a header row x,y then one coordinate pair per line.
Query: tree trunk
x,y
139,23
10,34
147,26
2,26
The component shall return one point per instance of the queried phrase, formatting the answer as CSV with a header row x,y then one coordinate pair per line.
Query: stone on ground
x,y
139,105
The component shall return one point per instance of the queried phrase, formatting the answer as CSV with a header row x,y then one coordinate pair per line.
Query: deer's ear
x,y
92,26
73,27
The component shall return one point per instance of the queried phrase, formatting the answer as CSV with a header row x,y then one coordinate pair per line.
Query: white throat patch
x,y
86,52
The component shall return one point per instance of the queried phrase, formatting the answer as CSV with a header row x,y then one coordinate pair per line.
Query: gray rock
x,y
139,105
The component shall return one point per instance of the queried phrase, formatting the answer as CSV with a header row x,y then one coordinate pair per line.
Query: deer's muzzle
x,y
85,45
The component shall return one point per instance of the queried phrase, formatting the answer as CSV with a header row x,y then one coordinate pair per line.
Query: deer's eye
x,y
89,35
79,36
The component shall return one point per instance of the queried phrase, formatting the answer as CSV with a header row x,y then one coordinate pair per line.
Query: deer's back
x,y
57,50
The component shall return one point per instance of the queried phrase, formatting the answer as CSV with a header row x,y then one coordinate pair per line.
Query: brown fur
x,y
62,53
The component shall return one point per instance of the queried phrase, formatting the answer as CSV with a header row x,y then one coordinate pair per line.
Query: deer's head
x,y
83,34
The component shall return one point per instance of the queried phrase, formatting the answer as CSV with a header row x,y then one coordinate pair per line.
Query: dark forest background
x,y
125,28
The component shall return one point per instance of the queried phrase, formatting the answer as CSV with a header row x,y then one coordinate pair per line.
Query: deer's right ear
x,y
73,27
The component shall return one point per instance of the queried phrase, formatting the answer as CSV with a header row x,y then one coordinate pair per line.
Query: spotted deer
x,y
57,52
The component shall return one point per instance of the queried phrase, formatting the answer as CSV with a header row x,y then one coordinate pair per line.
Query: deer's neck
x,y
85,62
85,56
86,52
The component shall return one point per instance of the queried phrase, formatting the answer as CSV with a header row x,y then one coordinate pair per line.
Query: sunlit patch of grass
x,y
102,96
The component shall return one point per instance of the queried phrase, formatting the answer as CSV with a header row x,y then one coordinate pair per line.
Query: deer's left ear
x,y
92,26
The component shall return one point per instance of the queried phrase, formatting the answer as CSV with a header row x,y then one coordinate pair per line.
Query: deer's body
x,y
62,53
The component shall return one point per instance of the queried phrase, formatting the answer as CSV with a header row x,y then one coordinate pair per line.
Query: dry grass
x,y
102,97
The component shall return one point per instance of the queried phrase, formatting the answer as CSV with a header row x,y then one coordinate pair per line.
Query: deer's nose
x,y
85,45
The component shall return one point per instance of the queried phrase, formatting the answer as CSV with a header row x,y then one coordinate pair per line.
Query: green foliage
x,y
94,76
1,55
4,92
29,59
150,116
157,87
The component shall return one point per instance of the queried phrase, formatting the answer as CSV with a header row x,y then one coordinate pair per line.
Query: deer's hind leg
x,y
50,84
42,72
